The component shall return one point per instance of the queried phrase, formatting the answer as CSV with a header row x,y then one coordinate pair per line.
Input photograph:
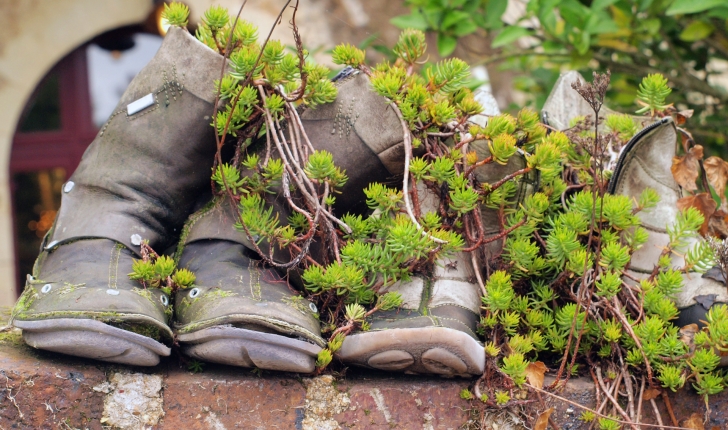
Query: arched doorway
x,y
59,121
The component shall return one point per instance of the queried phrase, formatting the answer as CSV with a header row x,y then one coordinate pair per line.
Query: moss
x,y
169,312
188,227
145,293
69,288
72,314
218,293
25,301
142,329
298,303
13,337
185,303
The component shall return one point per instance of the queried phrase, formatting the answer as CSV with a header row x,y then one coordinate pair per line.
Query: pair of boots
x,y
148,169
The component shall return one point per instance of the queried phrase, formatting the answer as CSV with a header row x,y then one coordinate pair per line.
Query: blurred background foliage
x,y
686,40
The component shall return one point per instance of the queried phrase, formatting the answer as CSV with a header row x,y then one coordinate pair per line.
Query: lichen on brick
x,y
323,402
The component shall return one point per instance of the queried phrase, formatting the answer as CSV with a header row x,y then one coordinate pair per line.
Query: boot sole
x,y
428,350
249,348
92,339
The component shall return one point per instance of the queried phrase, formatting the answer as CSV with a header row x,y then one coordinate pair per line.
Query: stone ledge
x,y
40,389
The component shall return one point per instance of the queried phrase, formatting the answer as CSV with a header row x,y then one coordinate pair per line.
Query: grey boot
x,y
564,104
242,313
434,331
644,163
137,181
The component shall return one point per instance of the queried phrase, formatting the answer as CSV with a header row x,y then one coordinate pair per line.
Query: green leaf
x,y
574,13
414,20
721,12
602,25
509,35
446,44
601,4
680,7
651,25
454,18
493,13
582,43
697,30
465,28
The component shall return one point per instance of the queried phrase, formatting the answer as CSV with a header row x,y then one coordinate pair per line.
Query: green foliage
x,y
324,358
587,416
465,394
652,93
347,55
176,14
184,278
160,271
624,36
502,397
321,168
608,424
622,124
514,366
410,46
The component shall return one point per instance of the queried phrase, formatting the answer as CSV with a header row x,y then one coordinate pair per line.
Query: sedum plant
x,y
560,291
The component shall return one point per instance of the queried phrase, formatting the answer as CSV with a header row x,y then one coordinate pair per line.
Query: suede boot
x,y
138,180
242,313
434,330
645,162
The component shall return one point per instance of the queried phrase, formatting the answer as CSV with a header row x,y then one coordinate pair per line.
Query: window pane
x,y
37,199
110,72
44,113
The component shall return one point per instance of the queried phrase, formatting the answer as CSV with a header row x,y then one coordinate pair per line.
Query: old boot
x,y
137,181
434,330
242,313
644,162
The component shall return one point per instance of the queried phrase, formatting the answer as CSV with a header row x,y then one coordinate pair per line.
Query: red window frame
x,y
32,151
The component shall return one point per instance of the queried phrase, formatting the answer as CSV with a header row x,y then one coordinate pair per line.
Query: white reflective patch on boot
x,y
455,293
140,104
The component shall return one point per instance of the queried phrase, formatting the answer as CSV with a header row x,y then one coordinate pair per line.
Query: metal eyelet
x,y
164,300
46,288
313,308
194,293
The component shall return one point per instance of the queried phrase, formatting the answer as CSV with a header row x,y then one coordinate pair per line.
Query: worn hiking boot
x,y
138,180
434,330
644,162
243,313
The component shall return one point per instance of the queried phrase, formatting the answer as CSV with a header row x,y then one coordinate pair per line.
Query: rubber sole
x,y
248,348
428,350
92,339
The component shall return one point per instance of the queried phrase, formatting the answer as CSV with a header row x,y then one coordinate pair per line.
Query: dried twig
x,y
407,141
600,415
613,400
